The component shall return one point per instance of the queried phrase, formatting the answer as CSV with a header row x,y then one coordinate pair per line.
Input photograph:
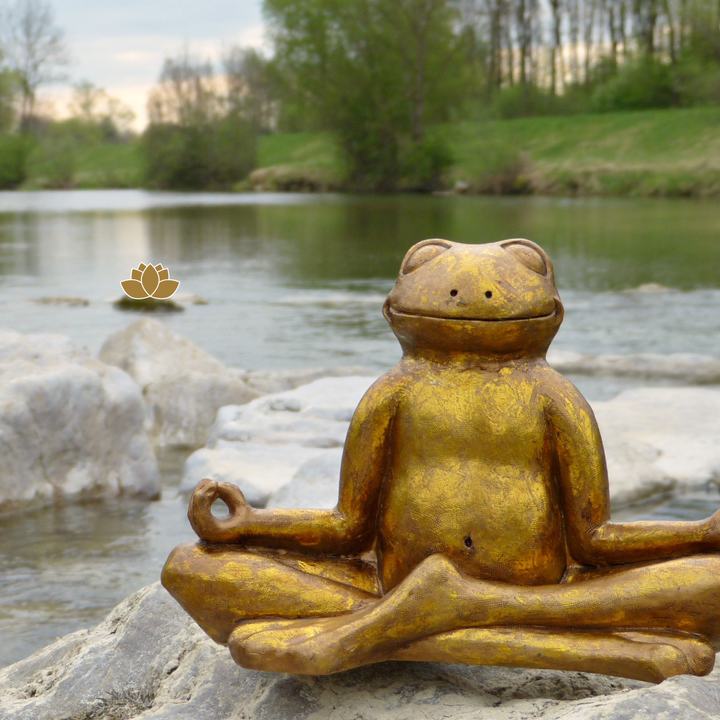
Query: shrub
x,y
195,157
423,162
14,152
638,85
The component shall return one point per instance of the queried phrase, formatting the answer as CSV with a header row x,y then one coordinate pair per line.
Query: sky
x,y
120,45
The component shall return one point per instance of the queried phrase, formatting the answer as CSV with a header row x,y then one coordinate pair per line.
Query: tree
x,y
97,110
195,138
376,72
33,47
250,87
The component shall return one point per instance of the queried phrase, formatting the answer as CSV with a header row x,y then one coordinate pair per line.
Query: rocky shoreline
x,y
74,426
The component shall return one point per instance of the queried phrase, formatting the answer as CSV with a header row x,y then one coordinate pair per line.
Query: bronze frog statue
x,y
473,522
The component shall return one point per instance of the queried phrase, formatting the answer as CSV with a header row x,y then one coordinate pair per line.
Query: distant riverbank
x,y
664,153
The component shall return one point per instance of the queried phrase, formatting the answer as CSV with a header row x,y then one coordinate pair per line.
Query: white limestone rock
x,y
260,446
183,386
656,439
660,439
69,424
149,660
267,382
688,368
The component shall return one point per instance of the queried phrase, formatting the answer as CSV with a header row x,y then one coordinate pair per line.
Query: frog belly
x,y
494,523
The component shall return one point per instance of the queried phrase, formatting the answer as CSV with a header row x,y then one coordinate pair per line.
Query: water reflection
x,y
247,254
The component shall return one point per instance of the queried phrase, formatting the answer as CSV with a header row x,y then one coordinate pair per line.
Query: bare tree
x,y
186,93
33,47
249,87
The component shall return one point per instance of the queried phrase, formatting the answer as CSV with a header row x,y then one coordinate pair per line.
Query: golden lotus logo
x,y
150,281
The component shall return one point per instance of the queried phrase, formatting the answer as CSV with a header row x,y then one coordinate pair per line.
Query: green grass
x,y
109,165
297,161
654,152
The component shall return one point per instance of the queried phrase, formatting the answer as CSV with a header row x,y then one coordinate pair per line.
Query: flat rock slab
x,y
148,660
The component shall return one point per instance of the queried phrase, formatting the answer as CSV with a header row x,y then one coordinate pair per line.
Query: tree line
x,y
385,77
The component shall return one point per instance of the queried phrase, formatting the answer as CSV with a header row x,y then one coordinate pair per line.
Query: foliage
x,y
9,87
252,90
96,109
376,72
195,157
14,151
196,138
52,163
638,85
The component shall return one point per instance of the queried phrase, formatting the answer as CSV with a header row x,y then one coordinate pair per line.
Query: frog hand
x,y
218,529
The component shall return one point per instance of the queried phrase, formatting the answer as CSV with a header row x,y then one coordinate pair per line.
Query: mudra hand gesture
x,y
223,529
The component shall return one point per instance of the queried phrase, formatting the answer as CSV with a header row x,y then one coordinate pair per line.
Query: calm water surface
x,y
298,281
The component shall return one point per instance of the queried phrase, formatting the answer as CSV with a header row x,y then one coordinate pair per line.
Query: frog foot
x,y
301,647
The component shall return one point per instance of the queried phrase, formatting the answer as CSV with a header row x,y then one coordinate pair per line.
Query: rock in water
x,y
183,386
149,660
69,424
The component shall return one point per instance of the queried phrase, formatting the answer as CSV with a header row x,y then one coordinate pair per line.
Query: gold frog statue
x,y
473,523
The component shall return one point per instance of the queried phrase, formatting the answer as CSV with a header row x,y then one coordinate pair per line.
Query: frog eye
x,y
422,253
529,254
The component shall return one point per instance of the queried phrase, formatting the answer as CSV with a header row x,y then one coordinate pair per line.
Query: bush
x,y
638,85
423,163
53,160
195,157
14,152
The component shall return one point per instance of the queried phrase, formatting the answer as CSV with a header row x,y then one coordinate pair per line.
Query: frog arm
x,y
349,528
592,538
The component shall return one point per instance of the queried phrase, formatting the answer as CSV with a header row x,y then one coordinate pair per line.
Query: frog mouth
x,y
446,318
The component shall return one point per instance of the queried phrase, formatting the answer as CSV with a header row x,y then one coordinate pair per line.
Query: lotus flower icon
x,y
149,281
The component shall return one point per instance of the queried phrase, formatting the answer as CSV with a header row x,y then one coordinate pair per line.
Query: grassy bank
x,y
654,152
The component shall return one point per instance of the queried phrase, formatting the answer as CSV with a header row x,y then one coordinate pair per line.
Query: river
x,y
298,281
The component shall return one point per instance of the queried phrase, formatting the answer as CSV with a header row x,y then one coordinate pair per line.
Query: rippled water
x,y
298,281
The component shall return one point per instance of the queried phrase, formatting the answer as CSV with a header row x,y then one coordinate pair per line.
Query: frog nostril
x,y
453,292
468,541
488,294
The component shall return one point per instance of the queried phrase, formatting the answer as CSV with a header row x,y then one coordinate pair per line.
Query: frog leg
x,y
220,586
651,657
681,595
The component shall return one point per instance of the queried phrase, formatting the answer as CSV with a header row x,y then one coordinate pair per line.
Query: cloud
x,y
121,46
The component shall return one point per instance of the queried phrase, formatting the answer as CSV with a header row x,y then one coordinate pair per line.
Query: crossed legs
x,y
319,616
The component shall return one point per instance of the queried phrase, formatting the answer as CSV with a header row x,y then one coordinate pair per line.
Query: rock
x,y
183,386
685,367
70,301
656,439
69,424
261,446
266,382
315,484
147,305
148,659
659,439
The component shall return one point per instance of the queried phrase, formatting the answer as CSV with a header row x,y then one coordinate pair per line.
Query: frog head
x,y
497,300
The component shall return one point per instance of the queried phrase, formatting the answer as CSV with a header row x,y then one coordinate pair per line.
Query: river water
x,y
298,281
